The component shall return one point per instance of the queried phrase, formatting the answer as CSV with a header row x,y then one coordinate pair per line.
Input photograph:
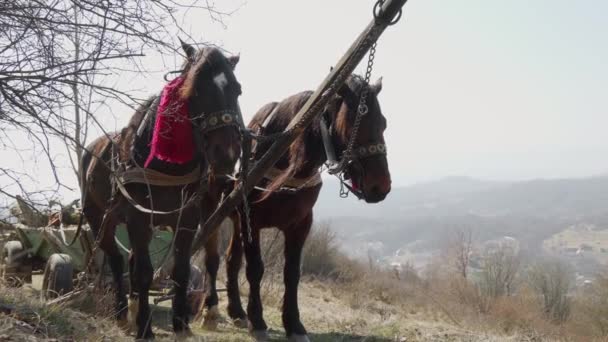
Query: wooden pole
x,y
312,108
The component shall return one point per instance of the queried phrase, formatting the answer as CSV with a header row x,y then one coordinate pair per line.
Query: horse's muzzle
x,y
223,158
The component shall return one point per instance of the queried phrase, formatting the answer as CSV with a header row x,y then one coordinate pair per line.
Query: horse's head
x,y
212,92
368,170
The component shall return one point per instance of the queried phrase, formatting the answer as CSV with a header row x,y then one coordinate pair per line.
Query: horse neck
x,y
312,148
141,143
314,151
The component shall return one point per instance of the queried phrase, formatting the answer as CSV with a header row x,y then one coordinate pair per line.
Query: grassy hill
x,y
328,317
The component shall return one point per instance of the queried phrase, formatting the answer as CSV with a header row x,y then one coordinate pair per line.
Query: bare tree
x,y
499,269
460,249
61,62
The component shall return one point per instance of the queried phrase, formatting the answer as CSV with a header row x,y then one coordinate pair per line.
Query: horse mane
x,y
303,153
355,85
307,150
132,145
205,58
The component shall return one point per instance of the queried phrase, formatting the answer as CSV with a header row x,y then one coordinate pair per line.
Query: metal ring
x,y
213,121
363,109
378,8
372,149
378,12
382,148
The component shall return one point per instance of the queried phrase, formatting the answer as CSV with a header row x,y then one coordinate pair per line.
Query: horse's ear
x,y
188,49
377,86
234,60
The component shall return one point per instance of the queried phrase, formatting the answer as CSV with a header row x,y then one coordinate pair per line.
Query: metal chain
x,y
361,110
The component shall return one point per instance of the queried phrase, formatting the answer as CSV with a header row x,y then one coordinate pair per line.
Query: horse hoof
x,y
149,337
211,318
133,309
260,335
124,324
298,338
240,323
183,335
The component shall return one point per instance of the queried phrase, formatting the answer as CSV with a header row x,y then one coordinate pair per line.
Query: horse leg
x,y
212,263
180,277
133,306
255,272
295,236
234,261
105,237
140,233
116,262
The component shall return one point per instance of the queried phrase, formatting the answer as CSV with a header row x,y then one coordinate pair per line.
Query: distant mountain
x,y
530,210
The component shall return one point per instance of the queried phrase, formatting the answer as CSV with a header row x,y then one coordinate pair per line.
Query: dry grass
x,y
343,300
25,318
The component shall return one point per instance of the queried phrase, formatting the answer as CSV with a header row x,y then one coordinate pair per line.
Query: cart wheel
x,y
58,275
15,269
195,290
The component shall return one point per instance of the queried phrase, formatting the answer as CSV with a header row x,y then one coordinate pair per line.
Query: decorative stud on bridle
x,y
220,119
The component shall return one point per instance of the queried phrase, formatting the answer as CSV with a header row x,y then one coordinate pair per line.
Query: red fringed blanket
x,y
172,140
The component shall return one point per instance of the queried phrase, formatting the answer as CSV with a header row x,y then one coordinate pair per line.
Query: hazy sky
x,y
492,89
489,89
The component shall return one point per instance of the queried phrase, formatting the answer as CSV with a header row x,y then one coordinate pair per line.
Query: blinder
x,y
337,163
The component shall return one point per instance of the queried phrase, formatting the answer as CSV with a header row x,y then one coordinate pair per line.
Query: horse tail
x,y
85,163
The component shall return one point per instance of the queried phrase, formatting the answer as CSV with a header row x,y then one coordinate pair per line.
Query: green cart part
x,y
42,242
159,247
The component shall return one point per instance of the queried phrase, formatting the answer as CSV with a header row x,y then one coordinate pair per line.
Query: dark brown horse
x,y
210,91
290,210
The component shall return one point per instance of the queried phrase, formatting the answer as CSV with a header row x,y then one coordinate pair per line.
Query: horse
x,y
288,193
208,94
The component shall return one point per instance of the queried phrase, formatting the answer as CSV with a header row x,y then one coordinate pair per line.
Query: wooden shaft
x,y
318,100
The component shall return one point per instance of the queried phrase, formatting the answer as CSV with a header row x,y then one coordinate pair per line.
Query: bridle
x,y
215,120
352,155
223,118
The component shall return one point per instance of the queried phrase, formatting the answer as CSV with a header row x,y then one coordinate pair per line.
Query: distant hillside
x,y
530,211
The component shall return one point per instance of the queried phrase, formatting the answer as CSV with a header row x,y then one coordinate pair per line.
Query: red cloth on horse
x,y
172,139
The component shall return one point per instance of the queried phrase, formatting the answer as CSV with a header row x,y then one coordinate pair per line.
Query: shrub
x,y
552,281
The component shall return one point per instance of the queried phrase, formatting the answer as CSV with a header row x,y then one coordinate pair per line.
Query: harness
x,y
292,184
129,173
351,156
